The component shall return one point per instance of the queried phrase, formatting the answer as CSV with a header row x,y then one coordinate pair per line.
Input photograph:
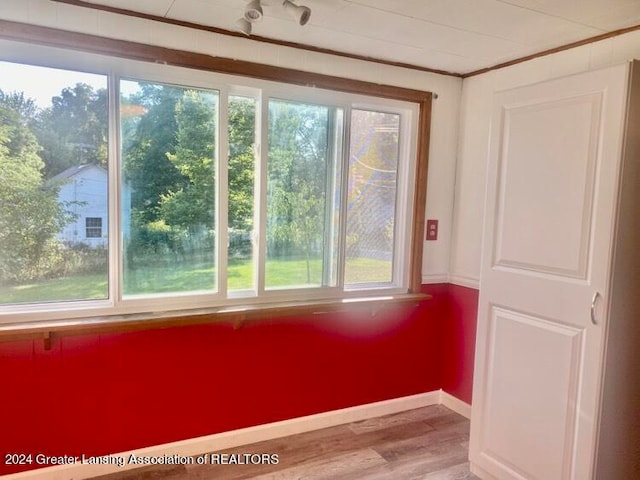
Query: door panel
x,y
551,196
517,376
556,177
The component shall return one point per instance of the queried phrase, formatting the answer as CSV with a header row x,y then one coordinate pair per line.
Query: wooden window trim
x,y
45,36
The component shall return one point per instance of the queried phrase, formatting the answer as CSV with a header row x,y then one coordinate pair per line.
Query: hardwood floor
x,y
429,443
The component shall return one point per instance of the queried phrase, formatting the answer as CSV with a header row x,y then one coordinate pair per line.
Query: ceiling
x,y
458,36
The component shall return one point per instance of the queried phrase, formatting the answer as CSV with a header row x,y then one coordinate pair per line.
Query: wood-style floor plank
x,y
429,443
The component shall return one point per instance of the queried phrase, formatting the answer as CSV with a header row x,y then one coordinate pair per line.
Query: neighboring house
x,y
83,191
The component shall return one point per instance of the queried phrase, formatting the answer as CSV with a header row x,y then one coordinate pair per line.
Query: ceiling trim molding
x,y
551,51
255,38
353,56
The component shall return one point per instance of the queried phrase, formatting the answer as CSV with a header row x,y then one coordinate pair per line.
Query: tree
x,y
148,140
25,108
30,216
305,209
74,130
297,170
192,204
242,113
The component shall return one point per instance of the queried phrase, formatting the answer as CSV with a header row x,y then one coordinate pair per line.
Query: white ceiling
x,y
458,36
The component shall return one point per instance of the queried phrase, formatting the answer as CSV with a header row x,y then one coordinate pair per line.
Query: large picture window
x,y
147,187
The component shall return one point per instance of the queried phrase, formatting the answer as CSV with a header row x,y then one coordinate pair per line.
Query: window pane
x,y
169,138
94,227
242,121
373,165
53,176
301,188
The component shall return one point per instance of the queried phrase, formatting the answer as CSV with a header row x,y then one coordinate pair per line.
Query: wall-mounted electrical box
x,y
432,229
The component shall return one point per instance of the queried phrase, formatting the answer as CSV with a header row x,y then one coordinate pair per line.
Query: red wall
x,y
459,340
103,394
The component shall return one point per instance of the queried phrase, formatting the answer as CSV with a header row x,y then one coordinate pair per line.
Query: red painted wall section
x,y
458,341
103,394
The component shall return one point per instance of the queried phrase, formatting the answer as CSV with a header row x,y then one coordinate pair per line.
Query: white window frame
x,y
116,304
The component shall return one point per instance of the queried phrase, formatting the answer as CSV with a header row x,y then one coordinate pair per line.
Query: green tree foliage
x,y
302,234
192,204
297,170
169,150
242,113
168,153
30,215
148,141
74,130
24,107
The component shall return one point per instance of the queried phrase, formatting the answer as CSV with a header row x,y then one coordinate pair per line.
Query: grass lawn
x,y
79,287
279,273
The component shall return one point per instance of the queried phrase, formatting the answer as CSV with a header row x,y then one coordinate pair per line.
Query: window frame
x,y
418,104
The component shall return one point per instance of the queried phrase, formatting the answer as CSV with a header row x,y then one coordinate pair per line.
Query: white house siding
x,y
85,195
83,191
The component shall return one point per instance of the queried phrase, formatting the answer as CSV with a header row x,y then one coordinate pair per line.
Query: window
x,y
168,212
373,170
93,227
195,190
54,171
302,194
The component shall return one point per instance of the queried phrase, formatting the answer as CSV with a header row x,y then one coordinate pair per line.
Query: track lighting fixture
x,y
243,26
253,13
300,13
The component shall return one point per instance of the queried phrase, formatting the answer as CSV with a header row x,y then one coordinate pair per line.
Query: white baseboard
x,y
455,404
435,278
244,436
461,280
464,281
480,472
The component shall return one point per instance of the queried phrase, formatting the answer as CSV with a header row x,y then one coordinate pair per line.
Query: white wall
x,y
473,145
444,128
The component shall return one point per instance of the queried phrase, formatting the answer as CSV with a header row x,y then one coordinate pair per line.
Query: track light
x,y
299,13
243,26
253,11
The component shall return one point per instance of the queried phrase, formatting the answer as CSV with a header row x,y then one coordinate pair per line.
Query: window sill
x,y
236,315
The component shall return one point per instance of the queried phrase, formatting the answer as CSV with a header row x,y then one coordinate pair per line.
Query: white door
x,y
551,194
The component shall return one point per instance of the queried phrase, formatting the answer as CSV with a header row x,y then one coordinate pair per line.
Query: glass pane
x,y
169,138
242,121
301,187
53,177
373,165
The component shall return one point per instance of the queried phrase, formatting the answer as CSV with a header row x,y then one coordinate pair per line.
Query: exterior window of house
x,y
54,174
93,227
208,190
